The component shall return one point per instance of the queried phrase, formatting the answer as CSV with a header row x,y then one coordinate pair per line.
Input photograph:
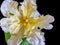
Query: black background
x,y
44,7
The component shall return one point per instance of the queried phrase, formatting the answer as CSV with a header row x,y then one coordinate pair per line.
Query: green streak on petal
x,y
7,36
11,13
25,42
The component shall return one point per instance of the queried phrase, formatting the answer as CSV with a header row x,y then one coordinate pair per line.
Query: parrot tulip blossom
x,y
23,21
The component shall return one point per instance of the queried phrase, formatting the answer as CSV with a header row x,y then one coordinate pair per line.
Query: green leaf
x,y
25,42
7,36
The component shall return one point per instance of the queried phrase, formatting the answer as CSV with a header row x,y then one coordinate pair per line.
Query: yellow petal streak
x,y
27,9
30,8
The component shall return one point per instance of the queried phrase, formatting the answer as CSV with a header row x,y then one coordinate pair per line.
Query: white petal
x,y
49,18
34,41
40,35
33,2
8,7
25,7
19,42
10,25
12,41
42,43
38,39
35,14
4,8
46,25
45,22
50,26
42,39
9,0
4,24
14,28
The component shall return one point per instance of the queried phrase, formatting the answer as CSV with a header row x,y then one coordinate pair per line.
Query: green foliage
x,y
25,42
7,36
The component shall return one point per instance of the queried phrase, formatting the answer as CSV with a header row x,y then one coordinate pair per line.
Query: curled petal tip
x,y
50,18
50,26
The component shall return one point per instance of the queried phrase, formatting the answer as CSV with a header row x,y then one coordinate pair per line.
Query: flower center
x,y
26,20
